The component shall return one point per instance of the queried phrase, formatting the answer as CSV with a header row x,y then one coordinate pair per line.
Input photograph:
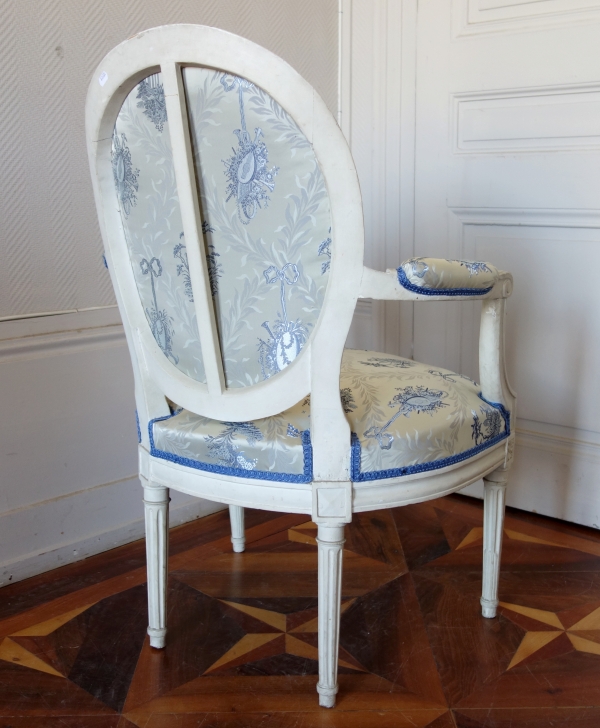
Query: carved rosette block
x,y
156,506
330,541
493,524
238,537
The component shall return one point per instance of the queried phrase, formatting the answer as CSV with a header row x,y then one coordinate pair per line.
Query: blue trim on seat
x,y
137,422
405,283
355,454
305,477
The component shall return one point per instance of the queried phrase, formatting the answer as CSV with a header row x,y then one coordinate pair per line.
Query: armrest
x,y
420,279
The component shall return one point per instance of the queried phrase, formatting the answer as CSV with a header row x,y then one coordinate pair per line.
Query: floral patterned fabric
x,y
266,223
147,196
437,275
405,417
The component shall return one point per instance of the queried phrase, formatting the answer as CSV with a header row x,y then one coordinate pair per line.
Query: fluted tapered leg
x,y
493,524
156,504
331,541
238,537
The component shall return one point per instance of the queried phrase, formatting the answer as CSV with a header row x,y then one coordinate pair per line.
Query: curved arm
x,y
453,283
495,386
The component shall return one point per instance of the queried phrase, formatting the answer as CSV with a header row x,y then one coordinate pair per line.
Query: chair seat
x,y
405,418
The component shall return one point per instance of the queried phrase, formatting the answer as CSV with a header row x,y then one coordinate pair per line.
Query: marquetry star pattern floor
x,y
242,641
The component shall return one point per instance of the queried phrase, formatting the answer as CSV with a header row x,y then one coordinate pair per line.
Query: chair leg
x,y
493,524
238,538
156,505
331,541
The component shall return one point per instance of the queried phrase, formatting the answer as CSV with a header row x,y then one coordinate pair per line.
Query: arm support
x,y
495,386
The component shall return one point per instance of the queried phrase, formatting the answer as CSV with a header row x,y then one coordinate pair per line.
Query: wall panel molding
x,y
543,118
473,17
61,343
69,446
522,216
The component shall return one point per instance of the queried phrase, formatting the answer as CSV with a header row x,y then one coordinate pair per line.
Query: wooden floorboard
x,y
242,629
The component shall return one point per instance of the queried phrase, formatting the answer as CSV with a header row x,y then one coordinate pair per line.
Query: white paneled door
x,y
507,169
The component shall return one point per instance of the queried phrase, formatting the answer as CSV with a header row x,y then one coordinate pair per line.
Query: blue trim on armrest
x,y
405,283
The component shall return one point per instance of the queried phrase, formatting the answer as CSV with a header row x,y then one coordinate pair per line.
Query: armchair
x,y
232,222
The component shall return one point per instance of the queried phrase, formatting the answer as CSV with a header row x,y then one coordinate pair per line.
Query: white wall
x,y
68,484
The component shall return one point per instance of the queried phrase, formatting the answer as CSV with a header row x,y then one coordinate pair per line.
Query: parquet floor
x,y
242,644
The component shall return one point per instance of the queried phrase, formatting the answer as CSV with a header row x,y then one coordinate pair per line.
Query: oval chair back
x,y
232,223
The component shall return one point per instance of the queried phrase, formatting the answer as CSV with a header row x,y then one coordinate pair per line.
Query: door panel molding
x,y
537,119
474,17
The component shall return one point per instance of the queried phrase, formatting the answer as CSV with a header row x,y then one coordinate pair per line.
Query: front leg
x,y
330,540
156,506
493,525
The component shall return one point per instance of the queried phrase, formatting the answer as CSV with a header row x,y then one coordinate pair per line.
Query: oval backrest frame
x,y
192,45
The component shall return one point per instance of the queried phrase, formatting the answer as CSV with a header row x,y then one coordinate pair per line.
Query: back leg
x,y
238,538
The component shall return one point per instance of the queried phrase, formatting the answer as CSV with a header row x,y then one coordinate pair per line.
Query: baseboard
x,y
64,530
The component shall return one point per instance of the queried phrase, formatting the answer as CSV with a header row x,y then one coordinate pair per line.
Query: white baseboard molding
x,y
63,530
553,475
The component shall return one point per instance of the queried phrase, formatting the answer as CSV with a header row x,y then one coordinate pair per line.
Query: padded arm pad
x,y
437,276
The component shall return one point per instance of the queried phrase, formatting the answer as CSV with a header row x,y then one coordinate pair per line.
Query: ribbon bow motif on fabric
x,y
159,320
287,337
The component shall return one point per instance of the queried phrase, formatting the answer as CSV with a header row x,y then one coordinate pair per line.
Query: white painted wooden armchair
x,y
232,222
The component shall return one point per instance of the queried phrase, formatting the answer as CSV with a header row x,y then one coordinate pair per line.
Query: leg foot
x,y
493,524
330,540
238,537
157,637
156,506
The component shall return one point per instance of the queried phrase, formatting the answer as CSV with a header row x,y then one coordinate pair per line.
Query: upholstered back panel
x,y
149,207
266,223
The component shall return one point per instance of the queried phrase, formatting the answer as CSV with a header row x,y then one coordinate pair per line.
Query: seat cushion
x,y
405,418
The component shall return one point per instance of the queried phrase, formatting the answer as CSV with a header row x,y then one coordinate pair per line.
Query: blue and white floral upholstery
x,y
265,219
267,223
405,418
147,196
435,276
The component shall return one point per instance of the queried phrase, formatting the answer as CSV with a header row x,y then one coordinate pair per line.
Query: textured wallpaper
x,y
50,245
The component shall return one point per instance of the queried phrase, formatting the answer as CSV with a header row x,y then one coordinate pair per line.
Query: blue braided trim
x,y
305,477
137,422
405,283
355,454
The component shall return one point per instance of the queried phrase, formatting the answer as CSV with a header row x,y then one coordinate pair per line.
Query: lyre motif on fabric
x,y
246,170
286,338
126,178
151,95
159,320
410,399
